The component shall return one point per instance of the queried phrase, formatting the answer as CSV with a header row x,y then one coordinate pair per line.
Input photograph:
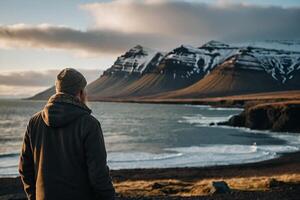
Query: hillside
x,y
44,95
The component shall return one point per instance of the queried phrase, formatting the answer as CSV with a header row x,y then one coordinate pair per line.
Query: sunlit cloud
x,y
224,20
18,91
27,83
40,78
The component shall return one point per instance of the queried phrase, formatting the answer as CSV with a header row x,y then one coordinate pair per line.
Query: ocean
x,y
154,136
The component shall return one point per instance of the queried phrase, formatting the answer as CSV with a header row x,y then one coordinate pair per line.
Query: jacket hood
x,y
62,108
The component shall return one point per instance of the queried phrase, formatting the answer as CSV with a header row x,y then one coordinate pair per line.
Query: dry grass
x,y
173,187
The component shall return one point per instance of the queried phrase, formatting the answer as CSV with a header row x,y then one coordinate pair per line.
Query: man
x,y
63,154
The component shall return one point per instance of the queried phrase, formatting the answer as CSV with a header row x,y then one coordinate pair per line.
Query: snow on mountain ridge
x,y
202,60
280,64
135,60
215,44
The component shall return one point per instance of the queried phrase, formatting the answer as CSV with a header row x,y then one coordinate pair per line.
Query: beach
x,y
263,175
273,179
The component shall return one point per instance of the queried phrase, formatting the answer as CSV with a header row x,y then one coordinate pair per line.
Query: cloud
x,y
39,78
61,37
181,19
18,91
27,83
121,24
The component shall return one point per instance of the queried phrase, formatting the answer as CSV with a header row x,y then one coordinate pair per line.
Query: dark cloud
x,y
39,78
91,41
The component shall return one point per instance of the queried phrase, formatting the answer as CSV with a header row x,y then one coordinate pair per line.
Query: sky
x,y
39,38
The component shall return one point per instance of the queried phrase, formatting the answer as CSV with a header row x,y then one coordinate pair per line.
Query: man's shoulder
x,y
35,117
90,119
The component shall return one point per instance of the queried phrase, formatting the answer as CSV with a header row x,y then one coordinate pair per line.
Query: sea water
x,y
154,136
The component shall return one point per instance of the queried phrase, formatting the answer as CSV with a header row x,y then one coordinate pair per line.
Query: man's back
x,y
63,155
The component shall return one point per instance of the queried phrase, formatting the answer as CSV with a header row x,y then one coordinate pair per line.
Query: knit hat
x,y
70,81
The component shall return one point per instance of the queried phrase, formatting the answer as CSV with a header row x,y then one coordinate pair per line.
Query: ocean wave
x,y
9,166
208,107
140,156
209,155
7,122
225,108
201,120
9,155
235,149
197,106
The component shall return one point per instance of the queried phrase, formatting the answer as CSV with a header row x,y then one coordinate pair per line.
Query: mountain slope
x,y
44,95
251,70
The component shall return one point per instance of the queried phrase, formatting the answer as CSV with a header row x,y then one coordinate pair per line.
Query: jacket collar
x,y
68,98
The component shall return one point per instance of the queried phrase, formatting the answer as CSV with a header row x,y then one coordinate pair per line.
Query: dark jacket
x,y
63,154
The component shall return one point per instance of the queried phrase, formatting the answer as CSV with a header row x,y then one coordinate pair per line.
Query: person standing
x,y
63,154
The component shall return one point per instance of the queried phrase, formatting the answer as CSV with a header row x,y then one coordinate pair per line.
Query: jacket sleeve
x,y
26,167
98,170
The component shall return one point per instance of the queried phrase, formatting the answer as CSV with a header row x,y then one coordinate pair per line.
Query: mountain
x,y
160,72
130,67
250,70
137,60
213,69
44,95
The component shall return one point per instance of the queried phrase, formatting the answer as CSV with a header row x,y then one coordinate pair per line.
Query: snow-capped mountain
x,y
136,60
213,69
186,61
190,62
280,64
247,70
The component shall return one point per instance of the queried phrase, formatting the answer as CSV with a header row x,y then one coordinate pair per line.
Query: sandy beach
x,y
273,179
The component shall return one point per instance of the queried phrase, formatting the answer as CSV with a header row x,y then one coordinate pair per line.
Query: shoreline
x,y
239,100
134,183
278,166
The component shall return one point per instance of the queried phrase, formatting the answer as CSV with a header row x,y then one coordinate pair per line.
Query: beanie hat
x,y
70,81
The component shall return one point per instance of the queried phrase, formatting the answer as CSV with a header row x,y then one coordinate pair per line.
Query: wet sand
x,y
273,179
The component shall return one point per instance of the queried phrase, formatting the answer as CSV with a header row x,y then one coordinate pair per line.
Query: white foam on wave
x,y
208,107
9,164
201,120
140,156
6,122
263,152
235,149
131,160
225,108
221,149
197,106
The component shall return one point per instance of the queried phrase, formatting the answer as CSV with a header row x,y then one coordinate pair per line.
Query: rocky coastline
x,y
279,117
